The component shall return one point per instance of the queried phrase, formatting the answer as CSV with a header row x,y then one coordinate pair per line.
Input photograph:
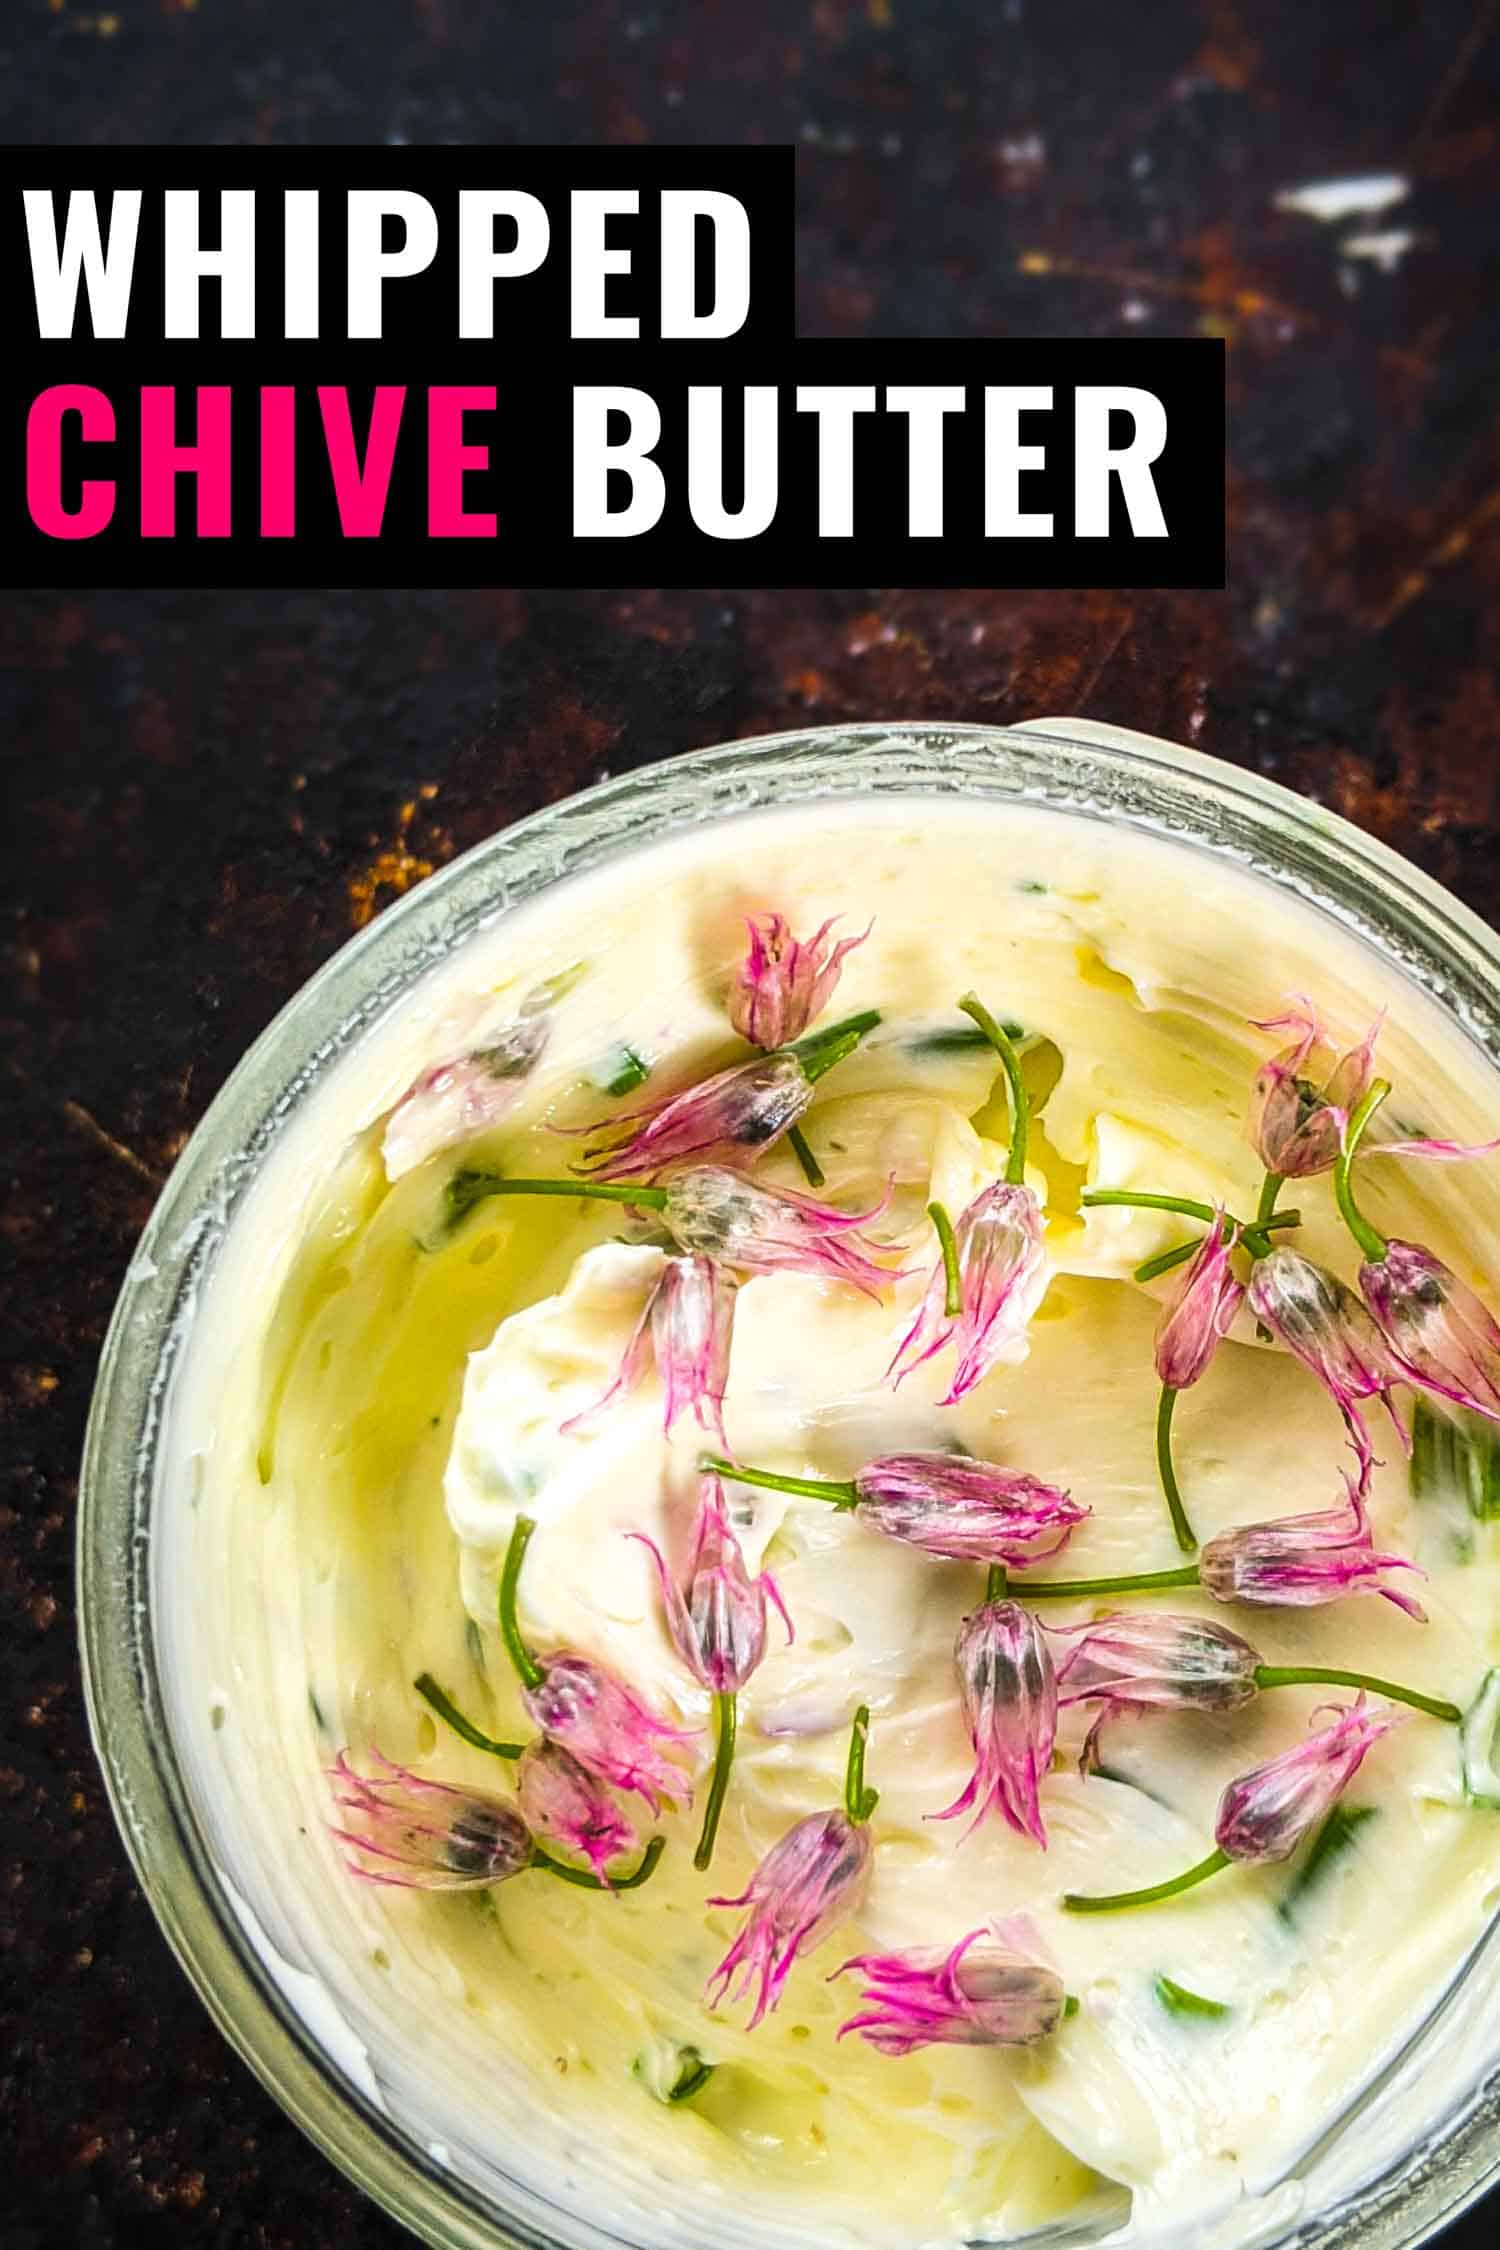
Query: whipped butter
x,y
374,1391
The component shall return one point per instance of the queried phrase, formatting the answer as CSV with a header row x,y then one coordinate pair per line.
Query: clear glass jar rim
x,y
1073,765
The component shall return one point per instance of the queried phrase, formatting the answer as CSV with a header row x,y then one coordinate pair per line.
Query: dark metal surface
x,y
203,794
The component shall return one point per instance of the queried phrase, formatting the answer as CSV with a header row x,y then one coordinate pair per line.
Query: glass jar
x,y
1421,2144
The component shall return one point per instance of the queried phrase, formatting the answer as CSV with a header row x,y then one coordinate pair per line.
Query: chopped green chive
x,y
1179,2001
673,2076
694,2076
812,1170
1329,1845
859,1802
1478,1742
1455,1454
624,1071
1113,1902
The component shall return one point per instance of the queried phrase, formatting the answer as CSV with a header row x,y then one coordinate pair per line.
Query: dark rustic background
x,y
205,794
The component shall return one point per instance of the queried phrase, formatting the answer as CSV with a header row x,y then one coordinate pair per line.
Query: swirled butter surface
x,y
373,1390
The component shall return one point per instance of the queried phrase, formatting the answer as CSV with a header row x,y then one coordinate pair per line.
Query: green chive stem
x,y
806,1488
726,1711
1369,1239
1131,1200
1078,1589
812,1170
1323,1675
953,1301
1270,1187
1010,1063
1167,1261
1255,1239
1253,1236
1080,1902
859,1802
545,1864
603,1191
527,1667
1166,1407
996,1583
427,1687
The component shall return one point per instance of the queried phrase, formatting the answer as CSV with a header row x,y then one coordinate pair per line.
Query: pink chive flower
x,y
1007,1692
1003,1276
423,1835
607,1728
1296,1562
1446,1340
460,1098
967,1511
1304,1095
978,1994
1328,1328
734,1116
1445,1152
716,1213
784,982
810,1881
561,1800
685,1327
717,1618
1265,1814
1200,1311
1152,1663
